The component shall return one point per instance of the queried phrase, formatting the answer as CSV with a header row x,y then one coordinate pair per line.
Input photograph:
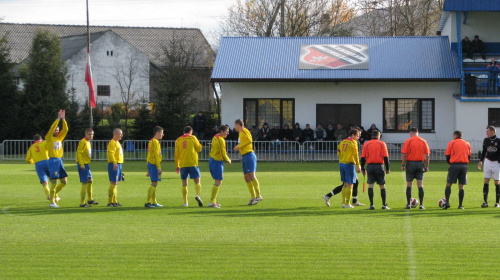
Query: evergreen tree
x,y
8,95
44,75
143,125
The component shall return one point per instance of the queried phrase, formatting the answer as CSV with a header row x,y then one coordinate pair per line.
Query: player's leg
x,y
197,186
90,192
62,175
461,194
250,176
383,195
370,196
46,189
355,194
217,171
409,183
496,178
84,181
244,163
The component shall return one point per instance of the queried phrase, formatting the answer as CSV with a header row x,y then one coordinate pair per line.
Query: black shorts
x,y
414,170
376,173
457,171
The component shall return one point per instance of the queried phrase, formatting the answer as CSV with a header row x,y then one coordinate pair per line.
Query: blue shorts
x,y
84,173
153,173
249,162
193,172
56,169
42,170
216,168
114,176
348,173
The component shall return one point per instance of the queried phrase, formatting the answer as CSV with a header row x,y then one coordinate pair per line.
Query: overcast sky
x,y
203,14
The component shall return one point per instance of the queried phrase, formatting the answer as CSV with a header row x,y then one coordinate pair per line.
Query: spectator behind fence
x,y
254,132
319,133
274,135
364,135
370,130
330,131
477,46
263,134
199,125
493,71
308,133
340,133
286,133
297,133
466,44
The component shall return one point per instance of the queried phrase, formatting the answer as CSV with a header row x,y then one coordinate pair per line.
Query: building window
x,y
494,117
401,114
109,53
272,111
103,91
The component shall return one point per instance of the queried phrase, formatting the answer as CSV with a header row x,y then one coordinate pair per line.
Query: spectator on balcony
x,y
340,133
466,44
493,71
477,46
297,133
308,133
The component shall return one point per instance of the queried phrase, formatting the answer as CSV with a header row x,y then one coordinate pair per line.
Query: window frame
x,y
281,100
419,101
101,87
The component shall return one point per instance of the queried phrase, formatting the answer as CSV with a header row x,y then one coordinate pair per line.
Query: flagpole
x,y
88,52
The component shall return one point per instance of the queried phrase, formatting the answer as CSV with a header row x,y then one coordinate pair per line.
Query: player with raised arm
x,y
248,161
457,154
37,154
53,143
490,158
375,155
83,158
415,160
115,161
187,148
154,159
218,155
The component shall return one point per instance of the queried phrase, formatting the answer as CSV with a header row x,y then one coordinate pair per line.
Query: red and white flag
x,y
89,80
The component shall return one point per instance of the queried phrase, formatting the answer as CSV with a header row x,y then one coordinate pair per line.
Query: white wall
x,y
484,24
472,118
450,28
104,66
368,94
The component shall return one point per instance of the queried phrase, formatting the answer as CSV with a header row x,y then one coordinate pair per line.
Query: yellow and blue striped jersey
x,y
245,141
83,152
187,148
115,152
154,152
348,151
54,144
37,152
218,151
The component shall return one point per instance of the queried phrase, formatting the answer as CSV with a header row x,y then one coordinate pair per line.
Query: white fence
x,y
266,151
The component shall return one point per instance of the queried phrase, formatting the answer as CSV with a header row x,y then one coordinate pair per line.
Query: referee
x,y
490,158
415,160
458,156
375,155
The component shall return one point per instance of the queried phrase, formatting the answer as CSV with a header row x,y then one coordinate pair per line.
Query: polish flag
x,y
89,80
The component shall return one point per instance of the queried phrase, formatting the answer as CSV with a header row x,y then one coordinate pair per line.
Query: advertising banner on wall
x,y
345,56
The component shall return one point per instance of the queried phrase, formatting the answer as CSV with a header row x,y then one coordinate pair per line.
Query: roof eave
x,y
230,80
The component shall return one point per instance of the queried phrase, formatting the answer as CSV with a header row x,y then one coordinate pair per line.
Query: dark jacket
x,y
199,123
286,135
308,134
274,134
263,134
297,132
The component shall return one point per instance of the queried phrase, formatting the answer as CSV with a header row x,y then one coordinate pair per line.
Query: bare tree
x,y
291,18
125,76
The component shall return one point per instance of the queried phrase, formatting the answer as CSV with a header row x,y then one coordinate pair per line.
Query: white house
x,y
393,82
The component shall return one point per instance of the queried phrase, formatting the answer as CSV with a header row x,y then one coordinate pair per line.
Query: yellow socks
x,y
59,187
115,194
111,192
344,188
53,190
150,194
89,190
46,190
197,188
256,187
153,196
348,195
251,189
215,191
185,194
83,192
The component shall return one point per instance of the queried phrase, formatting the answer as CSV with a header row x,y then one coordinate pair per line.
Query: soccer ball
x,y
413,202
442,202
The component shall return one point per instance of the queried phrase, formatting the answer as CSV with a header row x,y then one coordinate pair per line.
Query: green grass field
x,y
291,234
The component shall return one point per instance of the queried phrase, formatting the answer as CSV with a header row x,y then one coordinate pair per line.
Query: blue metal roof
x,y
472,5
390,58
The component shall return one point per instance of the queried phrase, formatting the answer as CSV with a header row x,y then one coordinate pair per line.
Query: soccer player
x,y
187,148
115,161
37,154
457,154
415,160
375,155
83,158
53,143
248,160
218,155
347,151
489,158
154,166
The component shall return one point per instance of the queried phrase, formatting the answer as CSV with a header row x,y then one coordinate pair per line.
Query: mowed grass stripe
x,y
289,235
